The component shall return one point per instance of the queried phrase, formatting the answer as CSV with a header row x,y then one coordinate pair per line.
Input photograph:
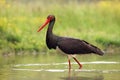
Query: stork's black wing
x,y
77,46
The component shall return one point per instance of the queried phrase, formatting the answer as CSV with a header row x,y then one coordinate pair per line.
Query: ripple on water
x,y
17,67
65,63
64,70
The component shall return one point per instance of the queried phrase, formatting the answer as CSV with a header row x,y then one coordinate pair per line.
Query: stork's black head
x,y
49,19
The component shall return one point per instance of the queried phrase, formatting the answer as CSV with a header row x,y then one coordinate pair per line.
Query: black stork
x,y
69,46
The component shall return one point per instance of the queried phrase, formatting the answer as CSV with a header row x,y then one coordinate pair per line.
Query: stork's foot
x,y
80,67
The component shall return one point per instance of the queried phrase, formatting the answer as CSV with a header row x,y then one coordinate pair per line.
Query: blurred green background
x,y
96,21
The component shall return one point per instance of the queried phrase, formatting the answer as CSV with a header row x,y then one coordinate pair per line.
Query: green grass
x,y
96,23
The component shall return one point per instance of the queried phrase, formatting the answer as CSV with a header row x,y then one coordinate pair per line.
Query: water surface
x,y
55,67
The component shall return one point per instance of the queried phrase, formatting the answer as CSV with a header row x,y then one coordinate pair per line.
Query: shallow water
x,y
55,67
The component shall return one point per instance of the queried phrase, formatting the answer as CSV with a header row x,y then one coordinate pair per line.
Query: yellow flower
x,y
5,19
2,2
37,20
104,4
8,5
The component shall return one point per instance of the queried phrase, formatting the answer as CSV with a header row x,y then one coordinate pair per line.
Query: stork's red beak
x,y
47,21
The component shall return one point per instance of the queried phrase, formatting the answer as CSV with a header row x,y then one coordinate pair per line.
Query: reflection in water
x,y
85,77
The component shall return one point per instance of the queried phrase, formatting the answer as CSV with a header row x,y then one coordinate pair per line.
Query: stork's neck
x,y
51,39
50,28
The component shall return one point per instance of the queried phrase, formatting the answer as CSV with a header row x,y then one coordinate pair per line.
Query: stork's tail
x,y
99,52
95,49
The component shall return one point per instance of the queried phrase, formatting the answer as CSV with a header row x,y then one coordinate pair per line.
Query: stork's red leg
x,y
78,62
69,63
69,56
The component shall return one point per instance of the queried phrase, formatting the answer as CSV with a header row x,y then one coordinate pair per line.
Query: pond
x,y
55,67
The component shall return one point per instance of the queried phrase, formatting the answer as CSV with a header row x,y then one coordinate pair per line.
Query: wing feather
x,y
76,46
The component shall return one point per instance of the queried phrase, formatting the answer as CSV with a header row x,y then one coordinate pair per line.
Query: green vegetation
x,y
97,23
